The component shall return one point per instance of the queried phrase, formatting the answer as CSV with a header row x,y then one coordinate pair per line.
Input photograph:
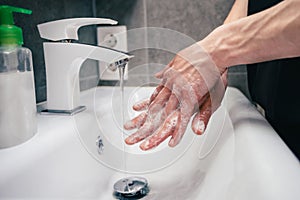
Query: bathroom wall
x,y
183,22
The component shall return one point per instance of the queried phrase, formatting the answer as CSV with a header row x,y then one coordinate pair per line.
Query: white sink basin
x,y
239,157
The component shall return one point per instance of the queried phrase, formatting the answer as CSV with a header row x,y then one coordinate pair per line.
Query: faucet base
x,y
63,112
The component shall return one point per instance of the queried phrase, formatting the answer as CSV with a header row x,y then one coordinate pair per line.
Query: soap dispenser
x,y
17,93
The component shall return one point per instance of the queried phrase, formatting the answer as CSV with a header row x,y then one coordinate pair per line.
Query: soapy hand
x,y
190,82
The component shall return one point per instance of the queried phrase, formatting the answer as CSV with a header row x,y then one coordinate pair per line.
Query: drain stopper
x,y
131,187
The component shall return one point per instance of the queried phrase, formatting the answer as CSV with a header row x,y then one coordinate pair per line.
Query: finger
x,y
197,124
184,118
187,101
160,101
151,124
154,118
141,134
141,105
155,93
136,122
171,105
160,74
178,84
201,119
162,133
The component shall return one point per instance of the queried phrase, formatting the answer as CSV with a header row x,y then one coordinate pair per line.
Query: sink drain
x,y
131,188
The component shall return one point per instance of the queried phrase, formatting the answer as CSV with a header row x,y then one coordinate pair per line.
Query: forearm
x,y
238,10
268,35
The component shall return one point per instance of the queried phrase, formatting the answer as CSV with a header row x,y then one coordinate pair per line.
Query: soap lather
x,y
63,61
17,93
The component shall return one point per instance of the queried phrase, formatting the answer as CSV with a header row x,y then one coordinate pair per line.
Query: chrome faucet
x,y
63,60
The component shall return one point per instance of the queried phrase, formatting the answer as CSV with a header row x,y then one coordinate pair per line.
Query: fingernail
x,y
128,125
129,141
200,127
171,143
145,145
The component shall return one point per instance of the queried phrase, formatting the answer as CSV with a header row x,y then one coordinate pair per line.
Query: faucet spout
x,y
105,54
63,62
113,64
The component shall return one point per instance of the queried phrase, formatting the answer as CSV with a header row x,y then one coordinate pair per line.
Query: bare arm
x,y
238,10
199,123
268,35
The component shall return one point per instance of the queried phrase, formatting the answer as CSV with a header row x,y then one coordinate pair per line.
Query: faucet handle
x,y
67,28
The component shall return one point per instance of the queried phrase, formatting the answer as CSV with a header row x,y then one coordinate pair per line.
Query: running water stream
x,y
131,186
122,106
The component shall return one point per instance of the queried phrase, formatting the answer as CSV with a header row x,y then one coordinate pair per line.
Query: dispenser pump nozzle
x,y
9,33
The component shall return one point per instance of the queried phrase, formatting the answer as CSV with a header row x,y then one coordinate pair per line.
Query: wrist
x,y
211,45
217,47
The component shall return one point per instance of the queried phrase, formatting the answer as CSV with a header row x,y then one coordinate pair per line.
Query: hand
x,y
199,122
182,92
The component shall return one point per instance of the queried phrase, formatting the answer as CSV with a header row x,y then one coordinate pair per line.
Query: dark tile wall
x,y
237,77
183,23
43,11
131,13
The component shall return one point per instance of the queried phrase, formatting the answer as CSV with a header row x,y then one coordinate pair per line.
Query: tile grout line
x,y
146,38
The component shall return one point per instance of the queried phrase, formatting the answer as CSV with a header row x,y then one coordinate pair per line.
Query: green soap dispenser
x,y
17,93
